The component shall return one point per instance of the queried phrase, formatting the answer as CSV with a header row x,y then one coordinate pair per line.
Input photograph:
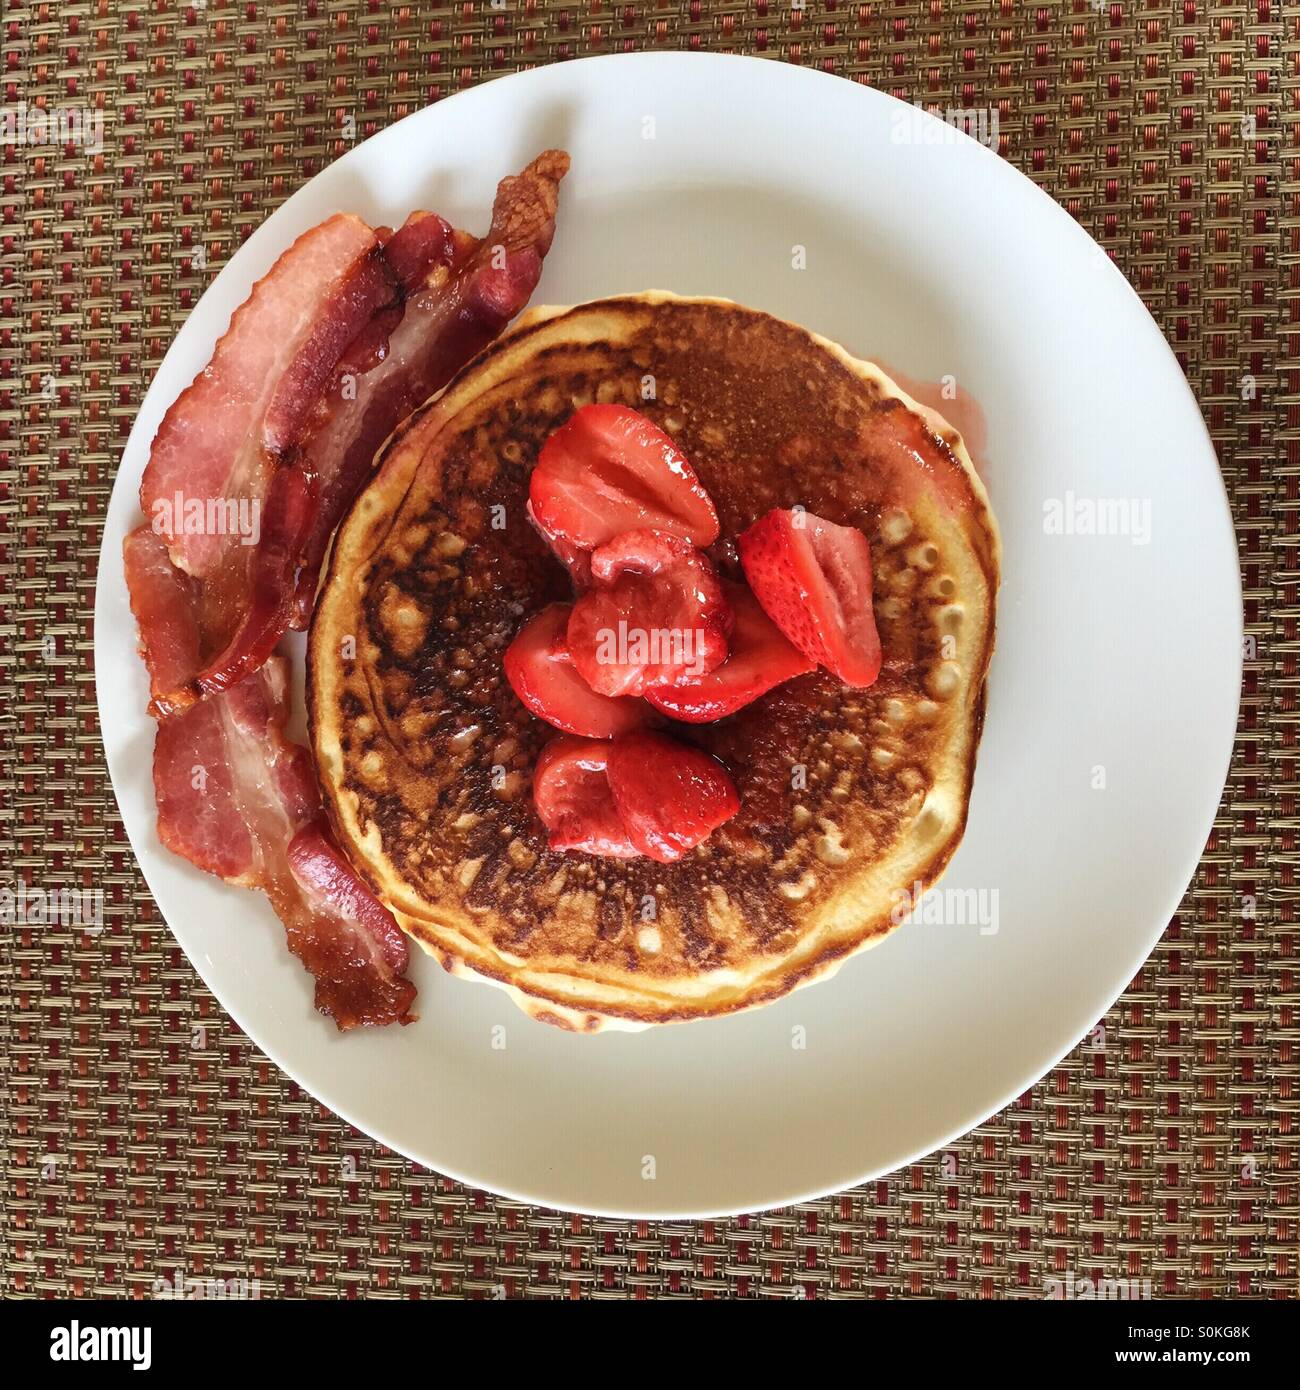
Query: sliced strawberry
x,y
607,470
813,579
655,612
670,797
572,796
577,562
759,658
539,669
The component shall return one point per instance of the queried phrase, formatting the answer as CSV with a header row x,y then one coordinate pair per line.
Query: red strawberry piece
x,y
759,658
606,470
813,579
542,675
577,562
572,796
671,797
655,612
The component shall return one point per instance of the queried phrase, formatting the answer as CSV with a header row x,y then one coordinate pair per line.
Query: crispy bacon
x,y
226,432
232,789
426,300
269,602
165,603
218,462
345,936
238,798
291,511
464,302
348,332
422,244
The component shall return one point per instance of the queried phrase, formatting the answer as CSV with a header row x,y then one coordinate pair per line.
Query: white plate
x,y
1116,660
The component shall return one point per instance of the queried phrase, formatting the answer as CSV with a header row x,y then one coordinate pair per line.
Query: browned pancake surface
x,y
427,754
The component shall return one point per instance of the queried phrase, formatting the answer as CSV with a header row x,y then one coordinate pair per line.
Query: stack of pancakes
x,y
849,798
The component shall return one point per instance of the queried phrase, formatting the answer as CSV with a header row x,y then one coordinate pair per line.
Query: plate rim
x,y
1145,942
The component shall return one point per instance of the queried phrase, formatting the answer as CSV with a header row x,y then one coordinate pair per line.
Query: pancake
x,y
849,798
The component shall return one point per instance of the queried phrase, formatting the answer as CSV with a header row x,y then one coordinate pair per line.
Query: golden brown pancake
x,y
849,797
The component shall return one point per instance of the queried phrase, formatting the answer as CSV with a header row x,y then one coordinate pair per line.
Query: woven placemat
x,y
143,1134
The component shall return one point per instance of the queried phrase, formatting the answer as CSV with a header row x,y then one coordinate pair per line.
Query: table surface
x,y
141,1133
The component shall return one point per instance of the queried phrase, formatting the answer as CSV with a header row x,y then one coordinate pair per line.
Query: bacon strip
x,y
165,603
348,332
238,798
217,464
232,789
222,437
392,328
291,508
345,936
451,318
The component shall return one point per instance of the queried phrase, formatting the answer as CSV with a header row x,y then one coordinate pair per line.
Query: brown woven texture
x,y
142,1133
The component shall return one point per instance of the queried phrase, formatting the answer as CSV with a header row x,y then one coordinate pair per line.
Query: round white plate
x,y
1111,704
